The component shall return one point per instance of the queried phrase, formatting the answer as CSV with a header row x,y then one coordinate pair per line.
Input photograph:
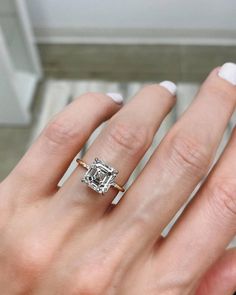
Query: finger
x,y
221,277
122,144
45,163
208,224
181,160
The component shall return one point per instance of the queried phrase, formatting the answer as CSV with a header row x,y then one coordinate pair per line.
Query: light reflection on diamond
x,y
100,176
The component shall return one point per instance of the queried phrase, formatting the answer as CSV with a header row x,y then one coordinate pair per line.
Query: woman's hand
x,y
72,241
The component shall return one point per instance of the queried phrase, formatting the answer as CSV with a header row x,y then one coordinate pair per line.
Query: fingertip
x,y
228,72
116,97
170,86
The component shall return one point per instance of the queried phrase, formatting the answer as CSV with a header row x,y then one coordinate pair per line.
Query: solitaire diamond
x,y
100,177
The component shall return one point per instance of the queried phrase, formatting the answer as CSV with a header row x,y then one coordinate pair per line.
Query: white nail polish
x,y
116,97
170,86
228,72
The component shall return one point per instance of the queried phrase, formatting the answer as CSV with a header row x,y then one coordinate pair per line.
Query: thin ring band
x,y
82,163
86,166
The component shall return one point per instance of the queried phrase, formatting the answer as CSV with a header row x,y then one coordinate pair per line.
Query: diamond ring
x,y
100,176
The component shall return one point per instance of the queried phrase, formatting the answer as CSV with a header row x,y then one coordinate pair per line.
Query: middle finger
x,y
123,143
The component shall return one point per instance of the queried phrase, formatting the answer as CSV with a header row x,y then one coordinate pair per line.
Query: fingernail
x,y
170,86
116,97
228,72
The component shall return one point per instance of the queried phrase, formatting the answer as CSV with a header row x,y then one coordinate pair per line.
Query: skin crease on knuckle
x,y
63,129
132,139
188,154
221,199
58,133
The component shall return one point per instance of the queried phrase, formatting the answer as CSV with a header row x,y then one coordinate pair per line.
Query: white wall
x,y
65,15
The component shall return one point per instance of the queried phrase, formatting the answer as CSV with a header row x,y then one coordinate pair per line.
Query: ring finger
x,y
123,143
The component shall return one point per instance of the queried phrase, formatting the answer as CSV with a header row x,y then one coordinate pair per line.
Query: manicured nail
x,y
170,86
117,97
228,72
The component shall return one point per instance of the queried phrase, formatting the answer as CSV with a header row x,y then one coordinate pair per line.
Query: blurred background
x,y
52,51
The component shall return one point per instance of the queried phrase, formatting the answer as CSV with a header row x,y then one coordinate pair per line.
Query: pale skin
x,y
69,240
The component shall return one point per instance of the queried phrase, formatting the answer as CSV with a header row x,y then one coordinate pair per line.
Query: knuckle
x,y
27,263
60,131
133,139
82,289
223,94
85,285
221,196
93,96
151,89
96,98
189,155
94,275
156,89
31,261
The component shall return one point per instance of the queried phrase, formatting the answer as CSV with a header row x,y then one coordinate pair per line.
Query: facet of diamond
x,y
100,176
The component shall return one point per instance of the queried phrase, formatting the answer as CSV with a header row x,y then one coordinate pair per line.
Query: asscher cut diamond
x,y
100,176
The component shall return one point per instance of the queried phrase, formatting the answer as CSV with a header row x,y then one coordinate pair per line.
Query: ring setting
x,y
100,176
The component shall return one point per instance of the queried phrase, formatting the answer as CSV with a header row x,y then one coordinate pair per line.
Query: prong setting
x,y
100,176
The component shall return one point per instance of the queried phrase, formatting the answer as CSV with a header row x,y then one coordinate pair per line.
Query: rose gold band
x,y
120,188
82,163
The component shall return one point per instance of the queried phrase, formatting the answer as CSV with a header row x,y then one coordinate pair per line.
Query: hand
x,y
70,240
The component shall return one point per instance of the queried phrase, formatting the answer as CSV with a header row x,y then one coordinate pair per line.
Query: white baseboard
x,y
134,36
